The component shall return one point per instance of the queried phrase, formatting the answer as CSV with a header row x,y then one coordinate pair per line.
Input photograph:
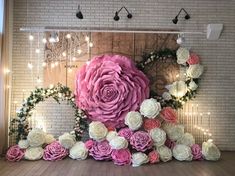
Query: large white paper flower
x,y
193,85
158,136
150,108
133,120
139,158
36,137
164,153
49,138
166,96
182,152
23,144
210,151
67,140
195,71
33,153
111,135
177,89
182,55
97,131
173,131
186,139
78,151
118,143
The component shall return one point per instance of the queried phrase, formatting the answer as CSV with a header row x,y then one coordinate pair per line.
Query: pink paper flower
x,y
89,143
196,152
169,115
121,157
126,133
170,144
153,157
101,150
141,141
54,152
151,124
109,87
193,59
14,153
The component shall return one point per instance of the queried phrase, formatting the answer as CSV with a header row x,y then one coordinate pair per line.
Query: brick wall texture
x,y
217,85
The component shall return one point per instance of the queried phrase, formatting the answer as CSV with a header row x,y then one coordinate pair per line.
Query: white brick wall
x,y
218,83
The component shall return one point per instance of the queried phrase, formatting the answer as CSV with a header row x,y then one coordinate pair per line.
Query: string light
x,y
6,70
51,86
74,58
52,65
56,63
91,44
44,64
44,40
68,36
87,39
39,80
69,70
30,65
31,37
37,50
64,54
79,51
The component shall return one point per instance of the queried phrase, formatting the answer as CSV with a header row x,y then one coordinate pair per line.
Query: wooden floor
x,y
89,167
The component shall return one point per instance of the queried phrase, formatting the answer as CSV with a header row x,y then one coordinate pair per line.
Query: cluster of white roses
x,y
34,142
180,88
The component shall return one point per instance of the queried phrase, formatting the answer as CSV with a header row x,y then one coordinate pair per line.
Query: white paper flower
x,y
23,144
67,140
97,131
186,139
49,138
133,120
78,151
195,71
210,151
111,135
173,131
182,55
150,108
182,152
139,158
36,137
33,153
158,136
118,143
193,85
166,96
177,89
164,153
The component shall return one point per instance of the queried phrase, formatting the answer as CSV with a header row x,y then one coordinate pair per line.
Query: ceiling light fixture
x,y
79,14
187,16
116,17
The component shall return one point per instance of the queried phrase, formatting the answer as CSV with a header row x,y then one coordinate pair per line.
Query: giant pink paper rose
x,y
196,152
121,157
101,150
54,152
108,87
14,153
141,141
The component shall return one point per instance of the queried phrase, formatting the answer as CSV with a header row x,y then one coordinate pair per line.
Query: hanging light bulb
x,y
39,80
30,65
56,63
31,37
91,44
180,40
37,50
74,59
54,37
70,70
68,36
44,64
79,51
52,65
87,39
64,54
44,40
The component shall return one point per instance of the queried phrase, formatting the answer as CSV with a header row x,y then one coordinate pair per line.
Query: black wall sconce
x,y
116,17
79,14
187,16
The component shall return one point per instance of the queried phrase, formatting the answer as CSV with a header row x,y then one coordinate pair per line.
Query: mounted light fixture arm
x,y
187,16
116,17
